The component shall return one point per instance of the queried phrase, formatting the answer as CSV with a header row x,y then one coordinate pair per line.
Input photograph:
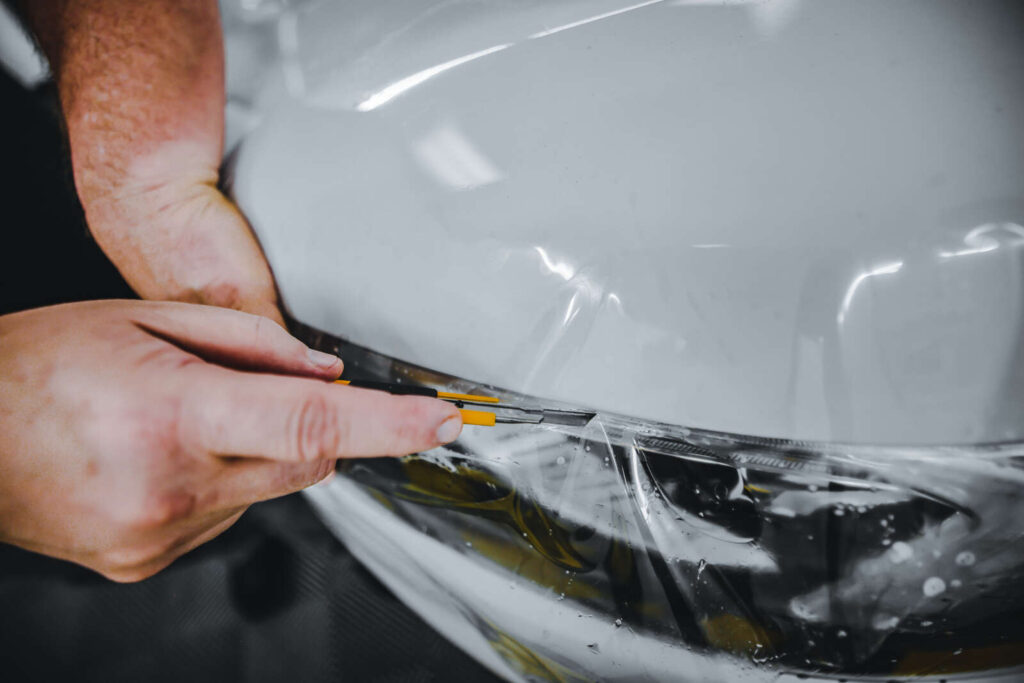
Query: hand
x,y
131,432
145,123
180,239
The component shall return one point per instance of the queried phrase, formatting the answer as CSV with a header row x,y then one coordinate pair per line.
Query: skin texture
x,y
131,431
142,89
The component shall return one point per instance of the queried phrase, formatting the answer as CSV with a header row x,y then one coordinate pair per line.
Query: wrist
x,y
110,177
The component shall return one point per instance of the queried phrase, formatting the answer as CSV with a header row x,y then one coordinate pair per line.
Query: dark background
x,y
276,597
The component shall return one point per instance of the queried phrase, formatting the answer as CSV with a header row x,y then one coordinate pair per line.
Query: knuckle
x,y
315,430
156,511
298,477
326,468
269,335
218,293
414,430
261,332
128,425
269,332
316,474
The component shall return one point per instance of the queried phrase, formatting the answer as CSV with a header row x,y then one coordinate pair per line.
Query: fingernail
x,y
321,359
449,430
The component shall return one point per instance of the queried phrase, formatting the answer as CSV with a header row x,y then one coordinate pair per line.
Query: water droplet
x,y
469,544
812,488
560,460
587,449
841,633
802,610
701,566
838,512
933,586
966,559
900,552
618,623
884,622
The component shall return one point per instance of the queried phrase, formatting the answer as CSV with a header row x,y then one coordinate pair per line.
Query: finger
x,y
247,481
235,339
264,307
292,419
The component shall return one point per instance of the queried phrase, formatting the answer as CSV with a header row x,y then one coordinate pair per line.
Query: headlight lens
x,y
777,555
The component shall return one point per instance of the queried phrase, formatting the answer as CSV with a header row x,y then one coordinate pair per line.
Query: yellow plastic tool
x,y
470,417
510,414
478,417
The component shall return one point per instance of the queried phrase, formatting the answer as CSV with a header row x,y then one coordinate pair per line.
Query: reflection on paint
x,y
559,268
772,17
395,89
453,160
984,239
886,269
385,95
590,20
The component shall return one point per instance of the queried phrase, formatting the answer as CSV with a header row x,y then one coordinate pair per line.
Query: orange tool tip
x,y
477,417
467,397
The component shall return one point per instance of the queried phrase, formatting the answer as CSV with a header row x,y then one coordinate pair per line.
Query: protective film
x,y
631,550
703,220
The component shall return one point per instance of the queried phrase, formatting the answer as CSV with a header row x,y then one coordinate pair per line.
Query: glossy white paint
x,y
781,218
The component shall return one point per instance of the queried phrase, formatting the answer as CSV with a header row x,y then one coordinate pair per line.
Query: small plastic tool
x,y
505,413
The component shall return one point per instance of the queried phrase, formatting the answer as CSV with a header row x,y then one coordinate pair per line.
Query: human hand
x,y
145,124
175,237
132,432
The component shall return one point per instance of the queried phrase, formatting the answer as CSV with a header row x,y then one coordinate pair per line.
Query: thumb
x,y
266,307
235,339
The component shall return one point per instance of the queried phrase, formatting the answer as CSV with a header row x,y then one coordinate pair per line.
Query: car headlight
x,y
631,548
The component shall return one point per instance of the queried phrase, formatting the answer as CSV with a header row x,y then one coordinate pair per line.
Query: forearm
x,y
142,89
141,83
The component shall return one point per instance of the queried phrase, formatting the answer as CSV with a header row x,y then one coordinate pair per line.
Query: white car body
x,y
795,220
